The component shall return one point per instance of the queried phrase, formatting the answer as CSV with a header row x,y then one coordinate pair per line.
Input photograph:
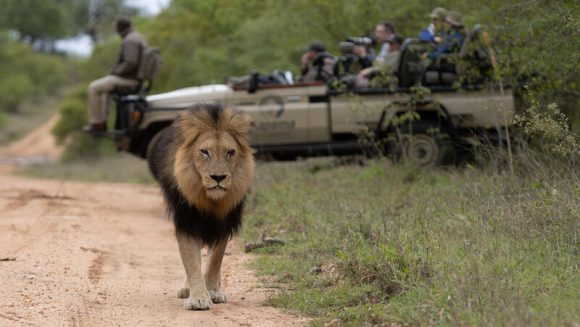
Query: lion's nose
x,y
218,178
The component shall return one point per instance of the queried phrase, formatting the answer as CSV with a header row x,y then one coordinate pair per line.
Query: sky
x,y
81,45
151,7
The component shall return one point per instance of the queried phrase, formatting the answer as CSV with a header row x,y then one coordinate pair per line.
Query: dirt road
x,y
90,254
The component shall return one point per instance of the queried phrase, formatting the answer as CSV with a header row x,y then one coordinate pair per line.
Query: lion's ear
x,y
239,123
239,127
186,125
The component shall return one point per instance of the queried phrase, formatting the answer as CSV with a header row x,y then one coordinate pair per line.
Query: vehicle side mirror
x,y
253,83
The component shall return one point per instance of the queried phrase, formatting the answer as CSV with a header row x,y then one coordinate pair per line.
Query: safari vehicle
x,y
306,119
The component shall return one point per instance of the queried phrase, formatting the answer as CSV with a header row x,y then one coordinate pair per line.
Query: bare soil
x,y
101,254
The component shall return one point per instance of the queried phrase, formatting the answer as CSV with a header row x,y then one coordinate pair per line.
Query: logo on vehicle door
x,y
272,106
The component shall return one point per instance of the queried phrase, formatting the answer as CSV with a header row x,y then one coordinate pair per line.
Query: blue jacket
x,y
428,34
452,42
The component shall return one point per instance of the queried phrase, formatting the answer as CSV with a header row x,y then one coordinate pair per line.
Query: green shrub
x,y
83,146
13,90
550,128
73,114
25,73
48,73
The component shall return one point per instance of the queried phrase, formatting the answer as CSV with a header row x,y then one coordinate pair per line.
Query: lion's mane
x,y
192,211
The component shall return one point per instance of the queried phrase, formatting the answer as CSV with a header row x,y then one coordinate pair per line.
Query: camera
x,y
361,40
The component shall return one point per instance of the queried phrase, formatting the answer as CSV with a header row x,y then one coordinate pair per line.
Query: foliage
x,y
87,148
95,17
40,23
35,20
25,73
527,33
31,114
80,146
551,127
15,89
74,108
389,245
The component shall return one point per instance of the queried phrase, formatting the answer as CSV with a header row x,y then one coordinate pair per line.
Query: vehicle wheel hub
x,y
422,150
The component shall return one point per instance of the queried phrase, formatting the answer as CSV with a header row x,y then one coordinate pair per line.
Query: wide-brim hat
x,y
438,13
454,18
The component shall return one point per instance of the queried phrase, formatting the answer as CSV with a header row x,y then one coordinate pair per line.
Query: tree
x,y
40,23
37,21
96,17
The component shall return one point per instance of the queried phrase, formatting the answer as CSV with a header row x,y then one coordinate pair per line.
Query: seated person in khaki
x,y
388,66
123,74
317,64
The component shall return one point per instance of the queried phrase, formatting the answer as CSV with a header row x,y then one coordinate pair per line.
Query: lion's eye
x,y
204,152
230,153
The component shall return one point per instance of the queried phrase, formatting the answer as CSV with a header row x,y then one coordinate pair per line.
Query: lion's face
x,y
213,165
214,155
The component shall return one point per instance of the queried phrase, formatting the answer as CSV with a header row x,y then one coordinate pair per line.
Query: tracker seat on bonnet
x,y
149,65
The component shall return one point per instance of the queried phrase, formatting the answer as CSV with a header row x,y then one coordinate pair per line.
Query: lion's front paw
x,y
218,297
183,293
197,304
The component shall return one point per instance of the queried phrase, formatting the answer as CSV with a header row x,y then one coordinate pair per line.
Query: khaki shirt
x,y
129,55
391,62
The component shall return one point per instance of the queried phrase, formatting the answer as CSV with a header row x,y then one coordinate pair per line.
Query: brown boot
x,y
95,128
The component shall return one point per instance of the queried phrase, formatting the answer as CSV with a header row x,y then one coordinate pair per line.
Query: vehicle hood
x,y
186,97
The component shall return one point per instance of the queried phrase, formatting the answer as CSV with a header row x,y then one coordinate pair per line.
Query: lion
x,y
204,165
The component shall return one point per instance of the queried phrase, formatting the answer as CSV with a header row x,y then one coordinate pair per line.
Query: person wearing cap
x,y
387,66
123,74
317,64
434,33
454,37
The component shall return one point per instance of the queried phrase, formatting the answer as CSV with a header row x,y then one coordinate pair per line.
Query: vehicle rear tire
x,y
425,150
420,146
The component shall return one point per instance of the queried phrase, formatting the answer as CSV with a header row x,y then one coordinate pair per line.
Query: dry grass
x,y
31,114
119,168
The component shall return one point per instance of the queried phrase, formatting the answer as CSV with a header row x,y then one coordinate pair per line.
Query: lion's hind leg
x,y
190,252
213,272
183,293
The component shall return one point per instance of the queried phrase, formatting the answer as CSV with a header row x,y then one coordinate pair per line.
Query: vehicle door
x,y
318,114
279,113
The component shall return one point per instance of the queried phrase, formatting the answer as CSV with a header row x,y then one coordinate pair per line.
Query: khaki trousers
x,y
99,95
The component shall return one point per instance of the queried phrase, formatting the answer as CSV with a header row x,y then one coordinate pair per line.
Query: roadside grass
x,y
114,168
31,114
388,244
